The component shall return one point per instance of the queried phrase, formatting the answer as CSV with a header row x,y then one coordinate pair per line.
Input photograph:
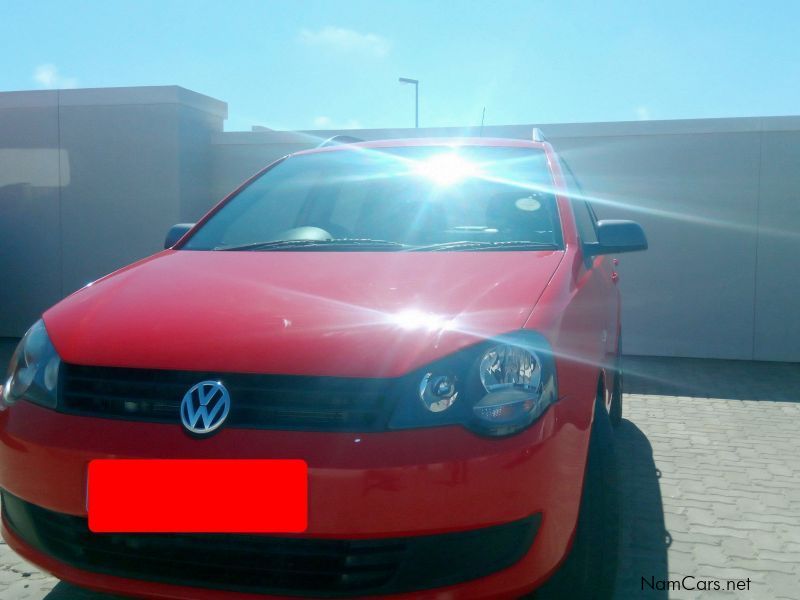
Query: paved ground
x,y
710,459
711,464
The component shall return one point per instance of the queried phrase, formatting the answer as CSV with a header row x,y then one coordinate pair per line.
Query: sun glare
x,y
446,169
415,319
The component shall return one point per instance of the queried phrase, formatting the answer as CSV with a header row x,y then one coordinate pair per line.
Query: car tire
x,y
589,571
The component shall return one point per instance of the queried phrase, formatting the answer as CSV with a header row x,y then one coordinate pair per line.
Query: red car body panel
x,y
262,313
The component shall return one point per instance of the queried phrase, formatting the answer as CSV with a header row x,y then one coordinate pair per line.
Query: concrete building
x,y
91,180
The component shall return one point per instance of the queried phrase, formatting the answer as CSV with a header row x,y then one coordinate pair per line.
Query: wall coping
x,y
552,130
114,96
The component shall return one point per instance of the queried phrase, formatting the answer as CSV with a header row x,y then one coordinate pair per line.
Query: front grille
x,y
274,565
257,401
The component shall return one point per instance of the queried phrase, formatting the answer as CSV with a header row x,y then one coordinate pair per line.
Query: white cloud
x,y
325,122
47,76
346,40
643,113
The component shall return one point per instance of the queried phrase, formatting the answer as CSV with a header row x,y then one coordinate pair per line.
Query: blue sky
x,y
307,64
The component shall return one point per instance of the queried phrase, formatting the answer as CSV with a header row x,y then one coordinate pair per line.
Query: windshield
x,y
403,198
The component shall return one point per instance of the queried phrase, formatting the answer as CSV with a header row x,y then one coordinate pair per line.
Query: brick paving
x,y
710,464
710,459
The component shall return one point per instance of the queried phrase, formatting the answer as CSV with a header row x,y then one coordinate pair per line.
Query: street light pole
x,y
416,98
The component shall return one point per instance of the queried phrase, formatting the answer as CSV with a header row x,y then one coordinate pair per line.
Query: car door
x,y
594,310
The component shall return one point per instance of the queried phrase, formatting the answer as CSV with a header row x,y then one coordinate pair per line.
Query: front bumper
x,y
291,565
379,486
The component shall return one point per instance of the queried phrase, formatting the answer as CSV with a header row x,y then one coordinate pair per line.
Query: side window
x,y
584,216
585,222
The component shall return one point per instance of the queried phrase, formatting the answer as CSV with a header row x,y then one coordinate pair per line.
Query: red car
x,y
432,325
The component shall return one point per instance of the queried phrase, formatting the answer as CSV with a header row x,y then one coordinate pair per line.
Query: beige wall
x,y
30,230
718,198
696,196
116,168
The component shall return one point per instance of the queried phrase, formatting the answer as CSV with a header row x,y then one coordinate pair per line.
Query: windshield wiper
x,y
334,244
467,245
365,244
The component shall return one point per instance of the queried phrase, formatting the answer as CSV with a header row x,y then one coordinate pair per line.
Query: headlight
x,y
33,370
512,378
438,392
506,366
495,389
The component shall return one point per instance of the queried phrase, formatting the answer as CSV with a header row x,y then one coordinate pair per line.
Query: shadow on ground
x,y
644,536
64,591
711,378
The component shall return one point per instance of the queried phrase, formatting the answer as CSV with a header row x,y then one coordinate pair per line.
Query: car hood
x,y
349,314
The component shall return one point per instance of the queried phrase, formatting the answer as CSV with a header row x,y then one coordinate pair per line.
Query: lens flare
x,y
446,169
415,319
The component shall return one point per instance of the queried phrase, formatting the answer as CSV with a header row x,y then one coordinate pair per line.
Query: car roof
x,y
429,141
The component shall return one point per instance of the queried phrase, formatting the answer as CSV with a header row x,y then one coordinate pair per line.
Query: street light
x,y
416,98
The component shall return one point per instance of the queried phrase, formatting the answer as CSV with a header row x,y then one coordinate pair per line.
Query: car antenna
x,y
483,116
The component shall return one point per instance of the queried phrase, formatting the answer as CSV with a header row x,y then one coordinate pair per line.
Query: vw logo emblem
x,y
205,407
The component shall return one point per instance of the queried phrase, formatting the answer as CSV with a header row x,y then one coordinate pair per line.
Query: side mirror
x,y
175,233
614,237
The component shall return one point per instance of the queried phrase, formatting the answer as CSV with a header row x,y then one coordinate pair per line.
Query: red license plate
x,y
198,496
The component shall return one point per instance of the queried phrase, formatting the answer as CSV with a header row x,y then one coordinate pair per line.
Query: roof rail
x,y
537,135
338,140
